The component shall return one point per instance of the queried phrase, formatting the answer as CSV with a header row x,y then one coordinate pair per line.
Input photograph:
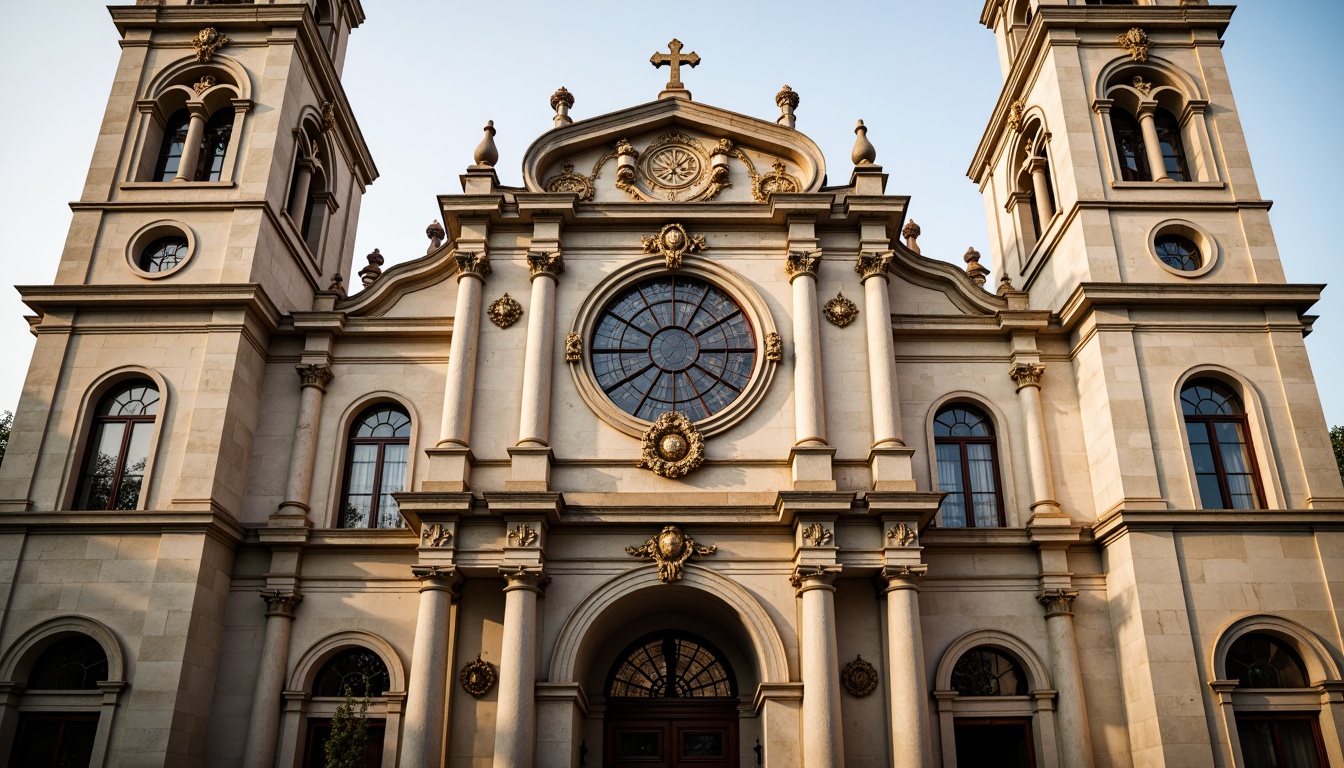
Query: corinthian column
x,y
905,662
313,385
809,412
872,269
1028,379
823,742
263,727
516,715
535,422
1074,738
455,429
422,733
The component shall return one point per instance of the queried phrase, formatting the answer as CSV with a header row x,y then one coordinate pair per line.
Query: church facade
x,y
678,454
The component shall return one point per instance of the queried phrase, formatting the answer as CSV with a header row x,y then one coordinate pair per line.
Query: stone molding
x,y
281,602
314,375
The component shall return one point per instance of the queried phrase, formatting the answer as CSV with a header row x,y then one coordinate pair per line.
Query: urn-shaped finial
x,y
370,274
911,233
974,269
486,152
435,234
787,101
864,152
561,101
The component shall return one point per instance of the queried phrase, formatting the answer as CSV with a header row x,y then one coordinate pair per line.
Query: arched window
x,y
1220,447
1260,660
1129,145
73,663
991,740
987,672
358,669
1275,739
214,146
673,665
118,447
1169,139
174,142
968,468
378,448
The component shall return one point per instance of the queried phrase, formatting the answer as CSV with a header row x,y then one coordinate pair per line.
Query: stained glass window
x,y
670,665
968,468
1220,447
359,669
673,343
118,451
987,672
379,446
74,663
1258,660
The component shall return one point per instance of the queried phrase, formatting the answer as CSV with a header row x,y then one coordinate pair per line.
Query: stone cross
x,y
675,60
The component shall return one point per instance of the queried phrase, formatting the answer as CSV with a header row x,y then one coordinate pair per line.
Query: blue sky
x,y
423,77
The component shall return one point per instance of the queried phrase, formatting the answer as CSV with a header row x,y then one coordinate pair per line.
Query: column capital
x,y
281,602
530,577
873,264
1027,374
809,577
472,264
551,264
1057,602
314,375
442,578
797,263
902,576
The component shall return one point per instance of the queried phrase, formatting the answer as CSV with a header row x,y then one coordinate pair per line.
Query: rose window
x,y
673,343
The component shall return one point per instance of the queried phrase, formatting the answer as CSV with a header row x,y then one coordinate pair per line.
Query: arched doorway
x,y
671,701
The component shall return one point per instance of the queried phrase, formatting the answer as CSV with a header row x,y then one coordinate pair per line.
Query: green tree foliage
x,y
7,421
1337,440
349,734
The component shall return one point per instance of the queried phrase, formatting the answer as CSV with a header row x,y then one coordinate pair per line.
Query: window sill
x,y
177,185
1167,185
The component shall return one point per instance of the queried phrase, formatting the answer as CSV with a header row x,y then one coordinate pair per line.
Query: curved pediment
x,y
674,150
931,274
400,281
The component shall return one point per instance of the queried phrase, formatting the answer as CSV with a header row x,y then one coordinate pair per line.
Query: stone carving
x,y
775,181
974,269
801,263
1005,284
864,153
673,447
840,311
206,42
314,375
1142,86
1015,115
672,242
486,152
774,347
573,348
626,157
903,535
562,101
522,536
472,263
817,535
787,101
370,274
337,283
435,535
328,115
1057,602
544,263
873,264
670,549
673,167
859,678
569,181
825,573
1136,44
204,84
1027,374
674,59
435,234
477,677
911,233
904,573
281,602
504,311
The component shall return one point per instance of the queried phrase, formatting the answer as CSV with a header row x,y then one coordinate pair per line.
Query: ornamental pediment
x,y
674,151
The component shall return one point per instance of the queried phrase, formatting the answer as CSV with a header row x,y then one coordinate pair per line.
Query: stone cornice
x,y
1184,296
220,525
139,298
1114,525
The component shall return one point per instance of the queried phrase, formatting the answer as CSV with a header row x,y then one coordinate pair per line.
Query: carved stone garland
x,y
670,549
673,447
504,311
672,242
859,678
477,677
840,311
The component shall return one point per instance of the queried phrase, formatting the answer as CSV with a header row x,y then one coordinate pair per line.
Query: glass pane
x,y
702,744
383,421
986,672
1257,743
359,669
393,481
638,743
1298,739
96,486
133,466
1209,398
1259,660
75,663
359,496
953,509
1210,494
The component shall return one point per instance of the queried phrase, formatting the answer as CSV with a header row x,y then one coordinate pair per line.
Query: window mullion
x,y
376,503
968,495
1216,449
127,427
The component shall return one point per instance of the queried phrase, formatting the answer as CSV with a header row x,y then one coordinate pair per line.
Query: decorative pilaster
x,y
910,742
460,384
823,740
313,380
263,727
534,425
889,458
1027,376
422,736
809,412
516,715
1075,740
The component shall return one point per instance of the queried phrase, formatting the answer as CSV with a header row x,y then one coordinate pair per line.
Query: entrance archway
x,y
671,701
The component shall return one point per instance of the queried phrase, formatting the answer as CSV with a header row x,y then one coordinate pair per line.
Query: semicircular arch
x,y
19,658
305,671
1038,676
1321,665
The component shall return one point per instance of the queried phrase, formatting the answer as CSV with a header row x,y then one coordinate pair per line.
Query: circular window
x,y
164,254
1178,252
673,343
674,167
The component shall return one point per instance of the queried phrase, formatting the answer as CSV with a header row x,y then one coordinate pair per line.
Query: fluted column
x,y
313,379
809,410
1074,737
1151,144
263,727
1045,208
516,714
1028,379
910,742
455,429
823,742
191,150
422,731
872,269
534,425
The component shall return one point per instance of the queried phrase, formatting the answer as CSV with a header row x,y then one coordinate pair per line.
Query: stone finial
x,y
561,101
435,234
337,283
974,269
864,152
1005,284
911,233
371,273
486,153
787,100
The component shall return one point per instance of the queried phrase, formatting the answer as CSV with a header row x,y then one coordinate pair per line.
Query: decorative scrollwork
x,y
902,535
1015,115
204,84
672,242
477,677
673,447
435,535
762,187
569,181
817,535
523,536
859,678
670,549
1027,374
802,263
504,311
1136,43
206,42
471,263
314,375
872,264
840,311
1057,602
542,263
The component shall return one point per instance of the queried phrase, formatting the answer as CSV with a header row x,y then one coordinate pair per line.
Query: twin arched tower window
x,y
1132,146
210,149
968,468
